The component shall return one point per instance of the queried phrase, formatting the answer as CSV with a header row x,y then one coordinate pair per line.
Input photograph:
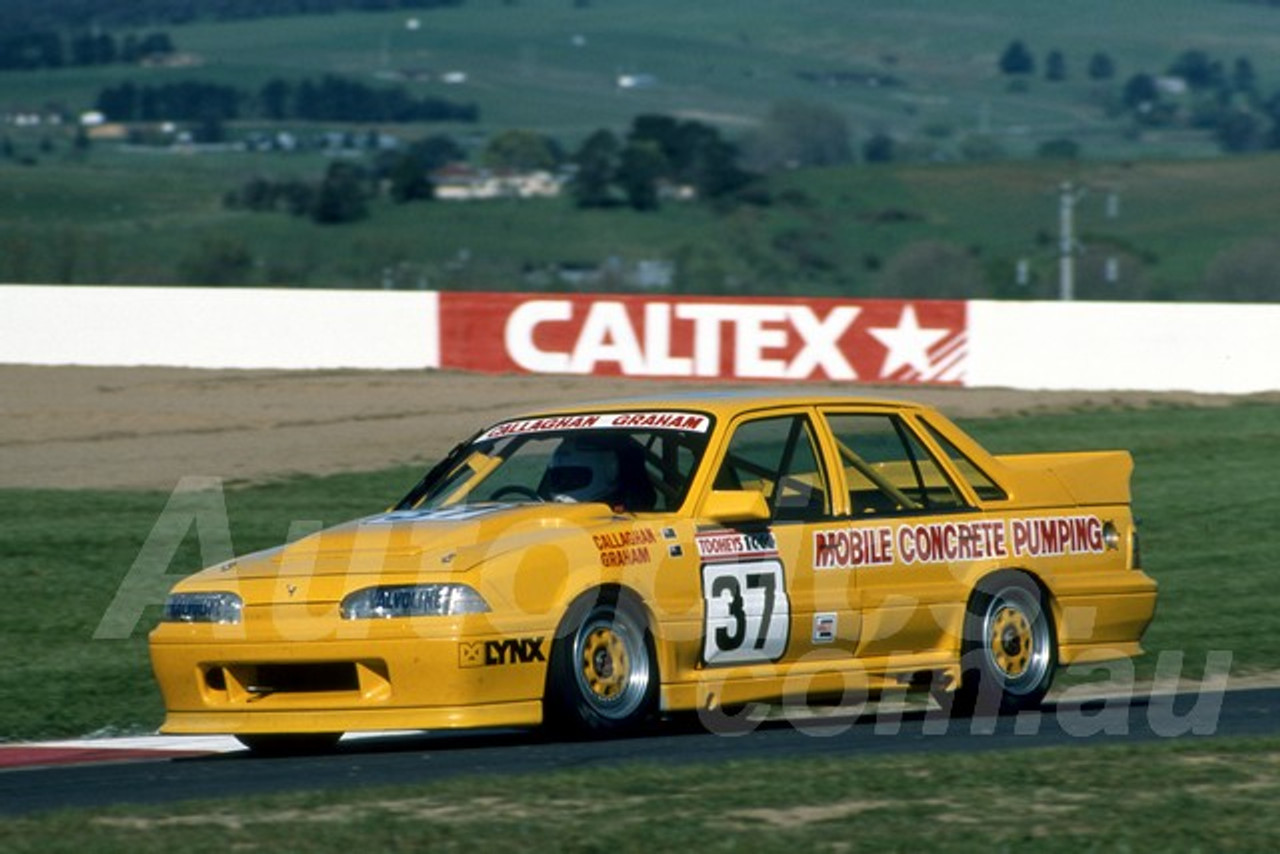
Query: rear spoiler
x,y
1084,477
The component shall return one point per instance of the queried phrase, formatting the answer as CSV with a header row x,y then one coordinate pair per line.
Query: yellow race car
x,y
598,565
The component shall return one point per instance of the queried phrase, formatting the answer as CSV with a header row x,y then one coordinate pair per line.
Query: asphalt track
x,y
421,758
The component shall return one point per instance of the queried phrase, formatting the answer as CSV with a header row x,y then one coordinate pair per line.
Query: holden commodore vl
x,y
596,566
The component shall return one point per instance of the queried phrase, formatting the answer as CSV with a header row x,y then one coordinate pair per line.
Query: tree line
x,y
656,150
1196,90
331,99
606,171
26,15
47,49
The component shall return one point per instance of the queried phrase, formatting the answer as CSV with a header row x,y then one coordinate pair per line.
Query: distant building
x,y
461,182
648,274
677,192
637,81
31,119
171,60
108,131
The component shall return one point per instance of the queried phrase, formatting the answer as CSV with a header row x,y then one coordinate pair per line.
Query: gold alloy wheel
x,y
613,664
1017,639
1011,642
605,663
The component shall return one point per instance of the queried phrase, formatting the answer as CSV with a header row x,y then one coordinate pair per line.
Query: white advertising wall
x,y
1227,348
1212,348
217,327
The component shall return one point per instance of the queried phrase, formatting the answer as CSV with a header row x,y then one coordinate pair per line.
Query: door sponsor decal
x,y
825,627
859,547
747,615
723,544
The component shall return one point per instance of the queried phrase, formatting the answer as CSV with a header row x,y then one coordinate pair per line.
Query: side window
x,y
985,488
887,468
777,456
669,465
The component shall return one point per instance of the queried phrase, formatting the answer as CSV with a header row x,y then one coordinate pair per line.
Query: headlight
x,y
413,600
202,608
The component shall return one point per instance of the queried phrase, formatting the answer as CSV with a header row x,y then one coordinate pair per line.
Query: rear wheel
x,y
1009,651
603,675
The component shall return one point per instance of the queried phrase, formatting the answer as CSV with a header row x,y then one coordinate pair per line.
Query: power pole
x,y
1068,196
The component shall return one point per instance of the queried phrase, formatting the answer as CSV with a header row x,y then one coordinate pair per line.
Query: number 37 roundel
x,y
748,615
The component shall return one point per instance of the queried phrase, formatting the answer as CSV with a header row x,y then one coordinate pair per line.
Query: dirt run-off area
x,y
145,428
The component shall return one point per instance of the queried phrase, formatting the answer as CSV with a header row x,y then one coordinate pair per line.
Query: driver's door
x,y
763,601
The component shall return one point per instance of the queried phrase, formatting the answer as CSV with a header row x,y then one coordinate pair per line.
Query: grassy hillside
x,y
920,70
159,219
551,66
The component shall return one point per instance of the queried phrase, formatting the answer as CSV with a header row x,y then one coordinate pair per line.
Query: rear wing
x,y
1082,478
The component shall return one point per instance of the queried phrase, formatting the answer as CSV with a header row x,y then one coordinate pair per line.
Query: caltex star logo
x,y
916,353
780,338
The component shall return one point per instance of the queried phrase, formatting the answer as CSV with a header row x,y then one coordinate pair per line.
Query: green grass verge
x,y
1205,489
1195,795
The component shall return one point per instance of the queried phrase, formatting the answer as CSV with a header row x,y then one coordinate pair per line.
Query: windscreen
x,y
636,462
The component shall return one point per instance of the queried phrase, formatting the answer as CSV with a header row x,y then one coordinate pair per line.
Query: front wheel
x,y
1009,652
603,675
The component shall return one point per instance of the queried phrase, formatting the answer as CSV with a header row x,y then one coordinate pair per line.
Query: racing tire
x,y
290,744
602,678
1009,651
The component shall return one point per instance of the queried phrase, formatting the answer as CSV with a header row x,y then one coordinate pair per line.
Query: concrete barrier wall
x,y
218,327
1226,348
1215,348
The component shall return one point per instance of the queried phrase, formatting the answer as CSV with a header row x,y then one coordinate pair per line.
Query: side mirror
x,y
736,505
